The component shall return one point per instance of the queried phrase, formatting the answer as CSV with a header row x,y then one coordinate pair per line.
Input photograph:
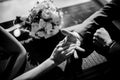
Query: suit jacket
x,y
102,18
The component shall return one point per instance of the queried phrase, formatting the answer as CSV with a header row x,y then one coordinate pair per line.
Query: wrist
x,y
52,61
109,43
113,42
108,46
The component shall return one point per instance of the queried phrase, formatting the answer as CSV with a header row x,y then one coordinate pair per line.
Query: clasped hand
x,y
66,47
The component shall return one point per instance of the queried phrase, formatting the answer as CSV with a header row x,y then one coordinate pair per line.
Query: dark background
x,y
74,15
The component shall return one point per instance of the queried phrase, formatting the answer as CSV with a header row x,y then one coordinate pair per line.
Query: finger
x,y
64,48
96,42
95,38
100,29
75,54
72,45
70,53
67,50
78,43
60,49
95,34
70,48
61,43
70,34
79,49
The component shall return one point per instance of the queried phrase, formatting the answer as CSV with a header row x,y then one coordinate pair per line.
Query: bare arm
x,y
55,59
39,70
62,51
16,51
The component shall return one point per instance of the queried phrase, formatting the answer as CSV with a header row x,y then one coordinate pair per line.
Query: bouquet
x,y
44,20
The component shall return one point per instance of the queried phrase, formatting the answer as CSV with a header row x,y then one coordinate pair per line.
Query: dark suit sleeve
x,y
114,50
100,18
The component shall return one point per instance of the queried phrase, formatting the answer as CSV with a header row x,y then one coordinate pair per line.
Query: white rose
x,y
46,14
56,18
48,28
